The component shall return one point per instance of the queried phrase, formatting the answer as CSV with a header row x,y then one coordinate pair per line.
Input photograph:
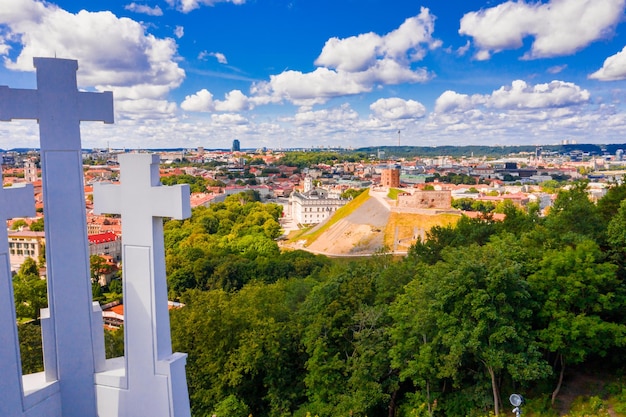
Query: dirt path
x,y
580,383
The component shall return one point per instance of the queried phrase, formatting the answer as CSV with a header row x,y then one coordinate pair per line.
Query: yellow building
x,y
25,244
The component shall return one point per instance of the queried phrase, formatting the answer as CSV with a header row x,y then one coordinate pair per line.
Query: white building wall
x,y
313,210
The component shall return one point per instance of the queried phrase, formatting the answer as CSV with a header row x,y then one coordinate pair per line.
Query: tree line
x,y
475,311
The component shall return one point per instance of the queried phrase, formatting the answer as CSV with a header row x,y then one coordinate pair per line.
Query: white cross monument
x,y
16,201
78,381
59,108
149,369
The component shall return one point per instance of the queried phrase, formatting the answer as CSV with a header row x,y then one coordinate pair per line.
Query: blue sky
x,y
350,73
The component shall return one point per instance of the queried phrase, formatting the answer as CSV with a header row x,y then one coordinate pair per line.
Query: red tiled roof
x,y
102,237
118,309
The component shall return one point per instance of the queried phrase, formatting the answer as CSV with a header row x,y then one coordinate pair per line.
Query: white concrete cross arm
x,y
17,201
140,192
17,104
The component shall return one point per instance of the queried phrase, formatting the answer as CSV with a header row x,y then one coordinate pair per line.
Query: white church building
x,y
314,205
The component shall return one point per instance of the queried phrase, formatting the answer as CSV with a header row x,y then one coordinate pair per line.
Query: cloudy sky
x,y
319,73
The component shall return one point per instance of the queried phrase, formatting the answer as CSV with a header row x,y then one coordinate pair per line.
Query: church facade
x,y
314,205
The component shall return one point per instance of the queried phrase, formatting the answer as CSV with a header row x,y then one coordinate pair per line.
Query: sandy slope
x,y
375,224
360,233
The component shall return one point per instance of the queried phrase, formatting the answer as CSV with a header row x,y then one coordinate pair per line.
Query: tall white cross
x,y
59,108
17,201
143,203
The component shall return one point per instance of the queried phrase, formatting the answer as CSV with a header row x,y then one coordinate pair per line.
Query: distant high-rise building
x,y
236,146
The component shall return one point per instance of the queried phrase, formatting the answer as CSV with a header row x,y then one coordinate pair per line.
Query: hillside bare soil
x,y
372,226
360,233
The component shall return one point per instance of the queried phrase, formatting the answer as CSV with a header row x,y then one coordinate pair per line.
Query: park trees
x,y
30,291
574,214
37,225
31,349
336,317
18,224
465,232
223,246
197,184
616,239
610,203
578,295
346,323
244,346
473,308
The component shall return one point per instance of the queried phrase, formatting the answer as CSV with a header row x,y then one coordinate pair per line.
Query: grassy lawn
x,y
393,193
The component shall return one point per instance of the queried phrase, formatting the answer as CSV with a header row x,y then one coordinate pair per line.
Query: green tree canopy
x,y
30,291
197,184
37,225
574,214
472,309
578,296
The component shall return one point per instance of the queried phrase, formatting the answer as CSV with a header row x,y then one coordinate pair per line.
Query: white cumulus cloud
x,y
221,58
396,108
326,117
520,95
613,69
355,53
307,89
186,6
179,32
408,43
202,101
234,101
145,108
559,27
451,101
144,9
390,72
135,65
356,65
226,119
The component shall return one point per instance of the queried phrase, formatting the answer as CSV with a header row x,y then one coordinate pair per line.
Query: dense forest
x,y
473,313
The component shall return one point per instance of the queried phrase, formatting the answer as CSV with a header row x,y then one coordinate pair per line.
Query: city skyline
x,y
188,73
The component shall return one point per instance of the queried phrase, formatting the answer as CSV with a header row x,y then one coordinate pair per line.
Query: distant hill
x,y
366,225
488,151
